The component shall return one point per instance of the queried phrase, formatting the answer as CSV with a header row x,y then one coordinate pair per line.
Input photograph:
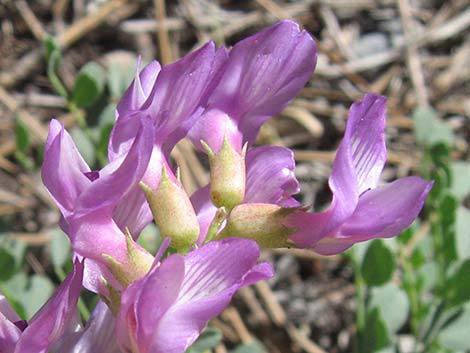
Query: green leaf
x,y
103,139
378,264
429,276
88,85
120,76
11,288
460,179
447,217
375,336
54,58
254,347
393,304
50,46
39,290
7,264
429,128
84,145
455,336
458,287
107,116
209,338
462,234
60,248
21,136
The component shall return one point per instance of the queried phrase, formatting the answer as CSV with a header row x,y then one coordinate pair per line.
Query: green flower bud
x,y
228,175
173,212
260,222
137,265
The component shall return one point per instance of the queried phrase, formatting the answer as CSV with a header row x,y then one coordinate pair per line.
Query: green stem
x,y
360,300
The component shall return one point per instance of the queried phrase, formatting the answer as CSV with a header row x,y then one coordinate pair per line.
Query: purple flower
x,y
262,74
45,329
360,209
165,311
171,98
87,198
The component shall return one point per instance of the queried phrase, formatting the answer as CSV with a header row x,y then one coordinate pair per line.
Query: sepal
x,y
228,175
261,222
173,212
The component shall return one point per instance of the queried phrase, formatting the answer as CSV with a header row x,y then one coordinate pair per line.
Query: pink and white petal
x,y
270,176
146,300
205,211
63,168
359,160
213,273
53,319
217,266
365,140
387,210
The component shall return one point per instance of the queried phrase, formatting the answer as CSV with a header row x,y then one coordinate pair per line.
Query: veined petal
x,y
176,95
165,311
270,176
366,140
145,301
359,161
387,210
213,274
140,88
52,320
263,73
63,168
381,213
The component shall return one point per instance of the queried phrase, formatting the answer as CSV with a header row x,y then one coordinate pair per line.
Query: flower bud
x,y
228,175
136,266
173,212
261,222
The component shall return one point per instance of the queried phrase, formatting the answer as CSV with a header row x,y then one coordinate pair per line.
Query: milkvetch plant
x,y
218,98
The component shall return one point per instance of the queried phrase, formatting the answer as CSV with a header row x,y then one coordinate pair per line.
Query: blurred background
x,y
72,60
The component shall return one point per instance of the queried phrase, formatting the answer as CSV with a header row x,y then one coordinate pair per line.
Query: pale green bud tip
x,y
228,176
216,223
260,222
173,212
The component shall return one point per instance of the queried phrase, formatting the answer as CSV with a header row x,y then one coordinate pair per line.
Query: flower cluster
x,y
218,98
